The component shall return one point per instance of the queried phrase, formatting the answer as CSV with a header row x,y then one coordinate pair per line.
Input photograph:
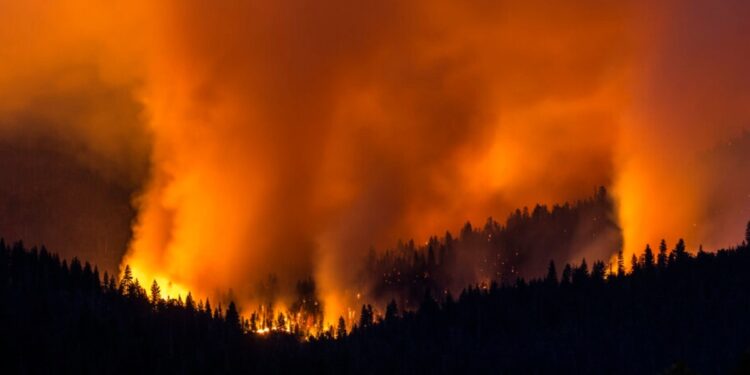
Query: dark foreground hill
x,y
674,309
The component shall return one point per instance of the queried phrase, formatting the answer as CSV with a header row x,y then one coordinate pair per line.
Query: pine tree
x,y
598,271
620,263
662,257
254,322
551,278
566,275
189,302
648,258
111,286
155,293
208,310
636,266
680,253
581,273
233,317
281,321
365,316
341,329
127,280
747,234
137,292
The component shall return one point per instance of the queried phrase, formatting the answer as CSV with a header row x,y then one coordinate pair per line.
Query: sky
x,y
210,144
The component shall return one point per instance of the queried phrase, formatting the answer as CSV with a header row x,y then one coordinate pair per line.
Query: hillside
x,y
675,307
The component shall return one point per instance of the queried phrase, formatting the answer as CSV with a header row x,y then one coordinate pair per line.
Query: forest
x,y
522,246
374,187
671,310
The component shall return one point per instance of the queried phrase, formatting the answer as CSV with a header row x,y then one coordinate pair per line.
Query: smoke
x,y
690,96
286,138
73,145
289,138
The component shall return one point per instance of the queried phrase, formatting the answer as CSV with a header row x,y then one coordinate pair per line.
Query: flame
x,y
167,288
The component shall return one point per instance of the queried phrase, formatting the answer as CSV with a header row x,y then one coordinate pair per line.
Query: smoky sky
x,y
250,138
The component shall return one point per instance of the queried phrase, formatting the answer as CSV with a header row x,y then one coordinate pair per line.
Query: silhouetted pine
x,y
551,274
341,328
662,257
155,292
648,258
620,263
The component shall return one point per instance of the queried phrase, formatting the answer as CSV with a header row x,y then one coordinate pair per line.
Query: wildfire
x,y
285,138
168,288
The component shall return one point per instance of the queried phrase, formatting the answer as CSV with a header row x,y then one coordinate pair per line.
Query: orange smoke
x,y
690,100
286,138
289,138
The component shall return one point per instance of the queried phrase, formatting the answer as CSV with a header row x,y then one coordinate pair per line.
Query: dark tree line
x,y
60,317
676,308
673,311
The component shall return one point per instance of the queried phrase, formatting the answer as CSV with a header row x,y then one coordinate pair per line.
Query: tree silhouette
x,y
127,279
634,264
581,273
365,316
598,270
207,308
680,253
254,322
648,258
662,257
620,263
551,278
341,328
189,302
155,293
281,321
232,317
566,275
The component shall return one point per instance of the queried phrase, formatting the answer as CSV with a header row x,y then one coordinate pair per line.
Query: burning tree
x,y
307,310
